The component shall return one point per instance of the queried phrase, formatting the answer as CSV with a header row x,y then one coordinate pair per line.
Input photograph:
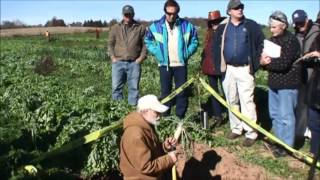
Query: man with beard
x,y
142,156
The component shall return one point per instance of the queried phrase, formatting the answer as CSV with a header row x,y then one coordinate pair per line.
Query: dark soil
x,y
45,66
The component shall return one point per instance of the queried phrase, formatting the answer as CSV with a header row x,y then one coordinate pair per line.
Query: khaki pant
x,y
238,85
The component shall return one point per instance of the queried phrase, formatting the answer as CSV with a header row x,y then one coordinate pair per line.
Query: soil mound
x,y
207,164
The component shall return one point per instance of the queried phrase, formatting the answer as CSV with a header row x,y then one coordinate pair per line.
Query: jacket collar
x,y
134,23
136,119
163,20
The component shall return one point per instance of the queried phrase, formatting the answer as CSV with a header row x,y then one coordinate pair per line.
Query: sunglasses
x,y
299,24
238,7
171,14
213,23
128,15
277,18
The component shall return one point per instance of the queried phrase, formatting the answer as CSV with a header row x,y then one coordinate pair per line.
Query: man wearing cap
x,y
172,40
306,31
238,45
211,66
142,156
126,50
284,78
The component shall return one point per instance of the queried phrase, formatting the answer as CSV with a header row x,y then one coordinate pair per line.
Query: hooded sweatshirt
x,y
142,155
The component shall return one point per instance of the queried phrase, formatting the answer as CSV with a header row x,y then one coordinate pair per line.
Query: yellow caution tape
x,y
178,90
31,170
100,133
78,142
251,123
174,172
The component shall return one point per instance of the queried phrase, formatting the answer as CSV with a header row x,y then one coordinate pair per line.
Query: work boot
x,y
232,135
248,142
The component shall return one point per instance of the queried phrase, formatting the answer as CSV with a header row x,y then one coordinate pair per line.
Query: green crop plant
x,y
42,112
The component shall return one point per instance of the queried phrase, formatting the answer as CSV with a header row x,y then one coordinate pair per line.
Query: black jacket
x,y
283,73
255,38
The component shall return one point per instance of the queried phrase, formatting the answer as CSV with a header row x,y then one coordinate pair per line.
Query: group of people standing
x,y
233,52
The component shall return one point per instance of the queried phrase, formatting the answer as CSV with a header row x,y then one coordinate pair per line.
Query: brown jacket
x,y
127,46
141,153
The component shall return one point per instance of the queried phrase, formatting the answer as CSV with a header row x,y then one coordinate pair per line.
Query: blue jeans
x,y
123,71
179,74
282,104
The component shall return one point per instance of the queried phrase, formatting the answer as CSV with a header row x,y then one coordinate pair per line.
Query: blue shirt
x,y
236,45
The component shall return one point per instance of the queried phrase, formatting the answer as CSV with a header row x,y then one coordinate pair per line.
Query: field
x,y
42,30
54,92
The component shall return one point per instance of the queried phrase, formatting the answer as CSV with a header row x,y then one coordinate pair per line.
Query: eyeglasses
x,y
239,7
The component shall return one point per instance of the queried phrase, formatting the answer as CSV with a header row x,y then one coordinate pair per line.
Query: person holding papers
x,y
283,80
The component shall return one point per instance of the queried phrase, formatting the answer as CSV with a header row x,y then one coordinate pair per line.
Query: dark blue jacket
x,y
255,38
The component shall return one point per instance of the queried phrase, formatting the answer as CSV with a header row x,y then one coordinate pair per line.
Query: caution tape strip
x,y
252,124
100,133
78,142
178,90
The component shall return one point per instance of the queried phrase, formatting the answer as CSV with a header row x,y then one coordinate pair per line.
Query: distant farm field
x,y
40,31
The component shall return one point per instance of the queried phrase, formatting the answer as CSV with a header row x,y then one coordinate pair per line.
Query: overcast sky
x,y
40,11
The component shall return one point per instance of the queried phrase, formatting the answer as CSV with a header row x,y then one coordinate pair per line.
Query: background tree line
x,y
54,22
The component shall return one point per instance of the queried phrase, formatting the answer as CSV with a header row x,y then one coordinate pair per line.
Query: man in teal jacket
x,y
172,40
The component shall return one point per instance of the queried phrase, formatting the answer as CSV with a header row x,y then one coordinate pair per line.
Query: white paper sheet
x,y
271,49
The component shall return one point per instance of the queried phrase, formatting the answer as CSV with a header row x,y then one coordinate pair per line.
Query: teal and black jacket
x,y
156,40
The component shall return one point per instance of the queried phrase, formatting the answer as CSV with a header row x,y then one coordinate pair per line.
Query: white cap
x,y
151,102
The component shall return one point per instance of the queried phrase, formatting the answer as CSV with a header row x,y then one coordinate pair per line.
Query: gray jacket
x,y
126,43
307,39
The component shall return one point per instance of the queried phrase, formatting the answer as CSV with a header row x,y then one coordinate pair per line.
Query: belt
x,y
238,65
128,60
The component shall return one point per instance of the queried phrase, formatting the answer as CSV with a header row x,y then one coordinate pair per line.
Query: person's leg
x,y
166,85
231,93
301,116
274,113
245,85
118,79
315,145
180,77
314,126
133,78
287,105
216,106
273,106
